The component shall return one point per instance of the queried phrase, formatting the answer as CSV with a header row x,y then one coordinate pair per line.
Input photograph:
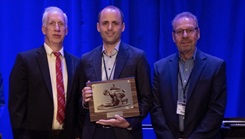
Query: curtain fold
x,y
148,27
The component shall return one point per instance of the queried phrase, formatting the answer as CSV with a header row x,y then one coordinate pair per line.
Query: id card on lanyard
x,y
181,108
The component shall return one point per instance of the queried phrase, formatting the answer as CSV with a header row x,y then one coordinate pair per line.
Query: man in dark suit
x,y
43,91
113,60
189,87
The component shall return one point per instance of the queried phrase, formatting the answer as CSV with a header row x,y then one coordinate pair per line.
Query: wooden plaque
x,y
113,97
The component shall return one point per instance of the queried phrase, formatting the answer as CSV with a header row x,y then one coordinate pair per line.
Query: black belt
x,y
56,132
103,126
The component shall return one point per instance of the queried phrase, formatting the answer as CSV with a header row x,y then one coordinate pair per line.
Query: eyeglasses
x,y
188,31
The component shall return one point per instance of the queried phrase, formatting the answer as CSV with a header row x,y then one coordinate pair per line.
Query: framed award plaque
x,y
113,97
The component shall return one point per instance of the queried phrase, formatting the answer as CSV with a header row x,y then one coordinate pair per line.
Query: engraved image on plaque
x,y
112,97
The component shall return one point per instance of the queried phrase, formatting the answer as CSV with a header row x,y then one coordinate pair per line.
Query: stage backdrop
x,y
148,27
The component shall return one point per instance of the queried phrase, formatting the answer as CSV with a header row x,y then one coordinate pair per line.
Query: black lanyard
x,y
114,64
182,85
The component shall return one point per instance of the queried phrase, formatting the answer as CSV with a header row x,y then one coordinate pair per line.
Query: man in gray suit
x,y
113,60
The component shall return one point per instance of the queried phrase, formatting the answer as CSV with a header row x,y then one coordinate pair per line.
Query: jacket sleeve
x,y
158,120
143,85
18,96
211,122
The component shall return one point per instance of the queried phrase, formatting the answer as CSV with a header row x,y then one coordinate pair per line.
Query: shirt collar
x,y
193,56
116,48
49,51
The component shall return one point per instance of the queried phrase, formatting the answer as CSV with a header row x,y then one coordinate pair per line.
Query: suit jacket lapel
x,y
97,61
70,65
173,73
44,68
199,65
122,57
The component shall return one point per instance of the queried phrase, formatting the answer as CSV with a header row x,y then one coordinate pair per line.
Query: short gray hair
x,y
52,9
184,14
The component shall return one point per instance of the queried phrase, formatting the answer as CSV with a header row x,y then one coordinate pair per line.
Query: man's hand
x,y
86,94
117,122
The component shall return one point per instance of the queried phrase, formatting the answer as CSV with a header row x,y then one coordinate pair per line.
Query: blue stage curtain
x,y
148,27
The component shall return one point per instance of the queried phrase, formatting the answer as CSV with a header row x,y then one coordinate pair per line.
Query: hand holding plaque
x,y
113,97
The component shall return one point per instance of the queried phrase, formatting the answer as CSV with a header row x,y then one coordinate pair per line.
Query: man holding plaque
x,y
114,60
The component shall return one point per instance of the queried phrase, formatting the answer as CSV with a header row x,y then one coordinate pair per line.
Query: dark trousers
x,y
53,134
104,133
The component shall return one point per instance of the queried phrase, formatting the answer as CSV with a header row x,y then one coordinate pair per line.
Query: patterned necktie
x,y
60,89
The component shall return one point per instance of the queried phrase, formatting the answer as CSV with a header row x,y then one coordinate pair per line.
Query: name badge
x,y
180,108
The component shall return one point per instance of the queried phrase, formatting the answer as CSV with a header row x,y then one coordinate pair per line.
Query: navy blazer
x,y
30,94
131,62
206,97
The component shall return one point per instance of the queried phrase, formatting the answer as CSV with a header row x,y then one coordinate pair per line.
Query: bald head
x,y
111,8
